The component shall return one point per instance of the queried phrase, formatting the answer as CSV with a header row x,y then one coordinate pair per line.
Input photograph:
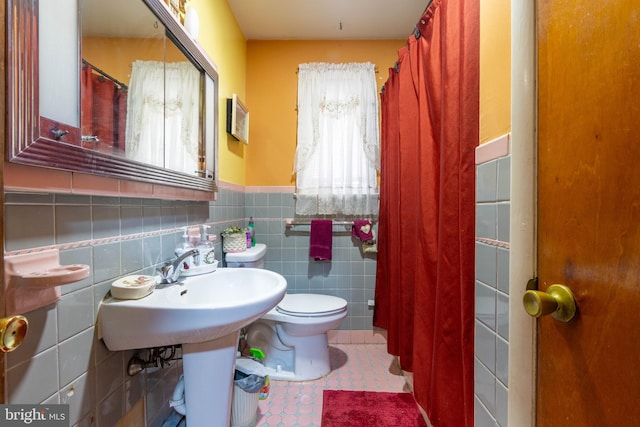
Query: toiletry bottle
x,y
205,246
183,247
248,239
252,230
212,244
259,355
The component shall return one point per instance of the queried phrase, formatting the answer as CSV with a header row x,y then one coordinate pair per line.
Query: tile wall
x,y
63,361
350,274
493,178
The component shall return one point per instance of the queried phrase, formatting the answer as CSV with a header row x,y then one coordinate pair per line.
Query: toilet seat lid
x,y
310,305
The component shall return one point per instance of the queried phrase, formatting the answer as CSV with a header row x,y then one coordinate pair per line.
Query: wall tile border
x,y
494,149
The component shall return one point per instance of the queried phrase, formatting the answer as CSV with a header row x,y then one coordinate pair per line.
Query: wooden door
x,y
589,210
2,145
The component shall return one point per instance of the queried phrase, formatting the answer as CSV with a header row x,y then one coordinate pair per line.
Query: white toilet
x,y
293,335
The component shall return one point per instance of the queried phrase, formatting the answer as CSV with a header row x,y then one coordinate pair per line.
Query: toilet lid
x,y
310,305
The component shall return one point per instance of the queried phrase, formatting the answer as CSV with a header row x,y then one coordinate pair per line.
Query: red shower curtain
x,y
104,107
425,277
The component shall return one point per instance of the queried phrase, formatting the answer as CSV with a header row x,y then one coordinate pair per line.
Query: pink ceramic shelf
x,y
56,276
32,280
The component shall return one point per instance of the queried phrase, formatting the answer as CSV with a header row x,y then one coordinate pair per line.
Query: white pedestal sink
x,y
204,314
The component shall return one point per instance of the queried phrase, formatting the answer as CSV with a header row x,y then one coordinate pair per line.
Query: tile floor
x,y
354,367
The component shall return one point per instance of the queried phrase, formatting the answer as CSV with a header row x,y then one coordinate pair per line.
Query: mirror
x,y
137,88
133,97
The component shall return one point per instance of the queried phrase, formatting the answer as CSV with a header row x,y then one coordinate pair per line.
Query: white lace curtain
x,y
338,152
163,107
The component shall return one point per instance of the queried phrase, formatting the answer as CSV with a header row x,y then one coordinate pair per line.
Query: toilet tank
x,y
253,257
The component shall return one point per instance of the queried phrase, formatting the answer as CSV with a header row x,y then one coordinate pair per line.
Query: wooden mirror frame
x,y
31,138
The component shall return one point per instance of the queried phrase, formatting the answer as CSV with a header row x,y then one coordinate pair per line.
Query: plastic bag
x,y
249,383
249,375
250,366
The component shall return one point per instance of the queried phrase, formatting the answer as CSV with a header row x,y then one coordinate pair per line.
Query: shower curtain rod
x,y
416,31
103,74
416,34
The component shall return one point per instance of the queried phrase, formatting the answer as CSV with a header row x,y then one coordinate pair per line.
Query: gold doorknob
x,y
13,329
558,301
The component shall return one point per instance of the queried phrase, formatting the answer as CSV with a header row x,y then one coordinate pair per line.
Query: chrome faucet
x,y
170,271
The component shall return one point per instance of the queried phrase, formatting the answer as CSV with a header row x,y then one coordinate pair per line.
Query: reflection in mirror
x,y
141,96
44,76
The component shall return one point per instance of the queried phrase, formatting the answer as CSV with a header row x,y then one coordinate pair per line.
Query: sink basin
x,y
194,310
205,314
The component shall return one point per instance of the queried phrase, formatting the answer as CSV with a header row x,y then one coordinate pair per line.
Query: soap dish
x,y
133,287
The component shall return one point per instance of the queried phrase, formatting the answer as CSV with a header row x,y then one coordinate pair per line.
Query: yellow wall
x,y
263,74
114,55
272,85
272,89
222,39
495,69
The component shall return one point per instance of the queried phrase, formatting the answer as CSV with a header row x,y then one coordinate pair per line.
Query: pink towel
x,y
362,229
320,239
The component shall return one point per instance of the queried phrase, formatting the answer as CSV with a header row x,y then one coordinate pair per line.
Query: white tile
x,y
35,380
504,178
75,313
487,264
110,410
75,356
42,335
134,391
502,360
486,346
502,402
109,376
156,406
485,387
482,416
79,394
486,220
487,182
503,270
486,305
502,312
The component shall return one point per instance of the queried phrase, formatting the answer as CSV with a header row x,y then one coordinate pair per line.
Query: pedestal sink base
x,y
204,314
208,380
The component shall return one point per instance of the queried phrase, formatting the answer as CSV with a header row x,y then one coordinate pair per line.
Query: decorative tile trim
x,y
224,185
112,239
263,189
256,189
493,242
499,147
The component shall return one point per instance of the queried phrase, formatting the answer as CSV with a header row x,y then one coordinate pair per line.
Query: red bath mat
x,y
369,408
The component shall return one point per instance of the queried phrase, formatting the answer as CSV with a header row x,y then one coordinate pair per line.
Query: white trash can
x,y
244,406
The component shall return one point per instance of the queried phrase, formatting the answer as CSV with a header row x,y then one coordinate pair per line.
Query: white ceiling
x,y
119,18
273,19
322,19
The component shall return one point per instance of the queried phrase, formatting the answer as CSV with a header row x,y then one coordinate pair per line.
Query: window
x,y
338,152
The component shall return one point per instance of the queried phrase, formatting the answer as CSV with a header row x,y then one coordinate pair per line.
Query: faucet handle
x,y
165,271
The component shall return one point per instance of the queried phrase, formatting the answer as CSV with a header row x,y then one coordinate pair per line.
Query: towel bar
x,y
292,222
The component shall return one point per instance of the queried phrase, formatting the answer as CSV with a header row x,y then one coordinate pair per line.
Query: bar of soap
x,y
133,287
